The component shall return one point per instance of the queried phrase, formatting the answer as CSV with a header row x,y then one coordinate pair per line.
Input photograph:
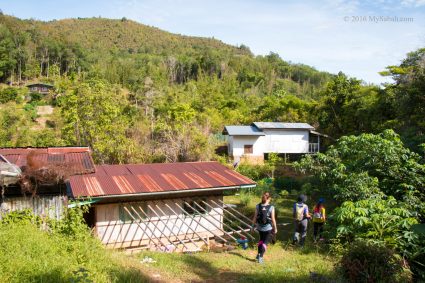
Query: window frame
x,y
248,149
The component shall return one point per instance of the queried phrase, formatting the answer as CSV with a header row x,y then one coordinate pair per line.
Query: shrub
x,y
8,94
365,262
35,96
245,199
255,172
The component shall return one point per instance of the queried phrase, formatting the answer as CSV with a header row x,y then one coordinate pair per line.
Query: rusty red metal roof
x,y
77,160
154,178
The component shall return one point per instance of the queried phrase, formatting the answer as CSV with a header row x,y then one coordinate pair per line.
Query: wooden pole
x,y
156,226
218,236
234,210
194,231
147,226
224,224
165,226
219,228
177,235
241,229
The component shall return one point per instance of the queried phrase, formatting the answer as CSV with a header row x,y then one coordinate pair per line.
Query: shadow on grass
x,y
208,273
242,256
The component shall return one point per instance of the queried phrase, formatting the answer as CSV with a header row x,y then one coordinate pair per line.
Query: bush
x,y
8,94
372,263
245,199
255,172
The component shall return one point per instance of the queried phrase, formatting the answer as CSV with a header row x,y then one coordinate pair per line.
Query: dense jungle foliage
x,y
135,93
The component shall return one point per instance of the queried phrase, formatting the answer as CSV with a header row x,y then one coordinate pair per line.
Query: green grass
x,y
28,254
283,262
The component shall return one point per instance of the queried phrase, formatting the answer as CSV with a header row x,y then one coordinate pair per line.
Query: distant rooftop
x,y
77,159
281,125
242,131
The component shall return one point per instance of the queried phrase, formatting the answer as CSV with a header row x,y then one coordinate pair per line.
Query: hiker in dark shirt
x,y
301,217
265,222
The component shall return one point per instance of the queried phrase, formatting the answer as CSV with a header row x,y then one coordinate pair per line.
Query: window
x,y
248,149
191,208
131,207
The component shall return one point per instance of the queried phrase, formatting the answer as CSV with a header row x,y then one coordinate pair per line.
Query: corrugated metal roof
x,y
280,125
159,177
78,160
242,131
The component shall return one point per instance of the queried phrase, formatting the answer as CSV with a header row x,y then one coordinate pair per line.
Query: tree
x,y
368,165
97,115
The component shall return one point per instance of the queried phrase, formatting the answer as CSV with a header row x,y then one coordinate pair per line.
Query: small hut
x,y
34,178
40,88
161,206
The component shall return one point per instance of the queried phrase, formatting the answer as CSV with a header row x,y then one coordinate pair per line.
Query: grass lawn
x,y
283,262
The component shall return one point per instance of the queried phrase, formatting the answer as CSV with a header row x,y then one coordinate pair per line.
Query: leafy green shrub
x,y
8,94
373,263
382,221
35,96
245,198
255,172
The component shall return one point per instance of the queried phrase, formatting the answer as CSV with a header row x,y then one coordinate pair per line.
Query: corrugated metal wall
x,y
51,206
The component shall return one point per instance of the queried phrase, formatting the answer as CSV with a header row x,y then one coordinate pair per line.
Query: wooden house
x,y
252,143
50,198
160,206
40,88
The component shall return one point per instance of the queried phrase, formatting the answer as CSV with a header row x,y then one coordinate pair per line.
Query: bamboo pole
x,y
138,224
224,224
156,226
237,212
219,228
171,230
235,217
165,226
183,222
241,229
152,231
218,236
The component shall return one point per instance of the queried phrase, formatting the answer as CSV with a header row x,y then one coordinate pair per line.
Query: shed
x,y
50,198
42,88
160,206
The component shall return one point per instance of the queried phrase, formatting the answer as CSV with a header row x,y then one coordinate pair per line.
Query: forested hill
x,y
81,44
138,94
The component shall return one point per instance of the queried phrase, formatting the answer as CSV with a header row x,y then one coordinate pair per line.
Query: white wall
x,y
278,141
286,141
237,145
114,232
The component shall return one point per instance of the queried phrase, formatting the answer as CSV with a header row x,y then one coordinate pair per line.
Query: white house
x,y
251,143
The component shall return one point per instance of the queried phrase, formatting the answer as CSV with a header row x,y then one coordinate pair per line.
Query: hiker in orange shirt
x,y
319,219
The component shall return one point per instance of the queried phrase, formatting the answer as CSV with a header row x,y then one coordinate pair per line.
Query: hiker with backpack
x,y
265,222
319,218
301,217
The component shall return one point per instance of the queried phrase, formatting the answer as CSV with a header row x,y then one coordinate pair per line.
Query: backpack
x,y
317,213
263,214
299,211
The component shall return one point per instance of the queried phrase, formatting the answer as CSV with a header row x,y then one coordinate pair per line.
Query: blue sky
x,y
331,35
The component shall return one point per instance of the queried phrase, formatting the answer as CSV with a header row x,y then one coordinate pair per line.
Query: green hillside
x,y
167,97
